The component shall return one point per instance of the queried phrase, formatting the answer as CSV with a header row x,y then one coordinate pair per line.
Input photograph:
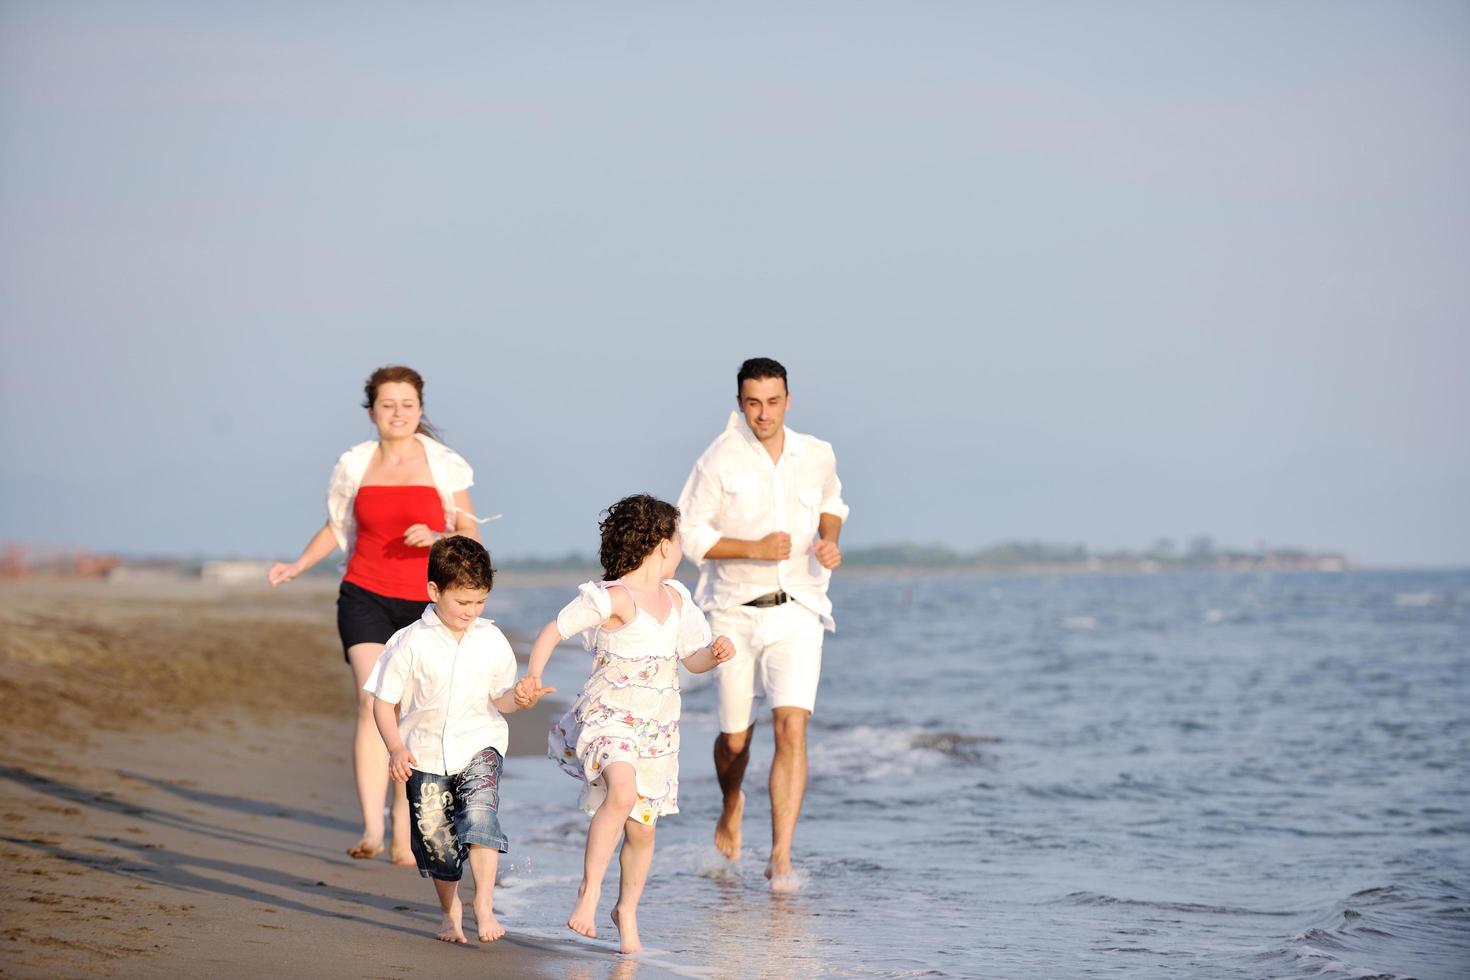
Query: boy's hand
x,y
401,763
722,649
529,691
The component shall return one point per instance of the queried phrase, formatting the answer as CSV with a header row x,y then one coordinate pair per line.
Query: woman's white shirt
x,y
447,469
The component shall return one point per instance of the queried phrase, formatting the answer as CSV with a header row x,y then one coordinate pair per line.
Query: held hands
x,y
775,546
419,536
401,763
722,649
283,571
827,554
529,690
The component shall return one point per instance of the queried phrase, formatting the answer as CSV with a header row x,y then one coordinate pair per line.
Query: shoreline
x,y
176,799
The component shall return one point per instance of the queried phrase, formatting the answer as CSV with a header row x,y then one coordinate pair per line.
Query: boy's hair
x,y
633,527
460,562
758,368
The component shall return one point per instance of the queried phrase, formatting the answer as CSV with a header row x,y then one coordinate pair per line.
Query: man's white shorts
x,y
778,656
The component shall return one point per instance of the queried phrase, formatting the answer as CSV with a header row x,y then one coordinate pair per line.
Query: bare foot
x,y
450,931
366,849
627,930
727,830
782,878
490,927
584,914
403,858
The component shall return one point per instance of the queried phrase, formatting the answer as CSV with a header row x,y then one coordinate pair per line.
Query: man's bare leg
x,y
788,787
732,755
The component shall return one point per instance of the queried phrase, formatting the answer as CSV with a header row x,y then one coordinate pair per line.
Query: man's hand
x,y
419,536
401,763
775,546
827,553
529,691
722,649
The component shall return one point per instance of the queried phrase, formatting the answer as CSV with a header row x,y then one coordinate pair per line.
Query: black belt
x,y
769,599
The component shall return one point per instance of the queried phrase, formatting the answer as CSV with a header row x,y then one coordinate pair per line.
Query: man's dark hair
x,y
758,368
460,562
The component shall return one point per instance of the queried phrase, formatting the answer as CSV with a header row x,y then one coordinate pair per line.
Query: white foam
x,y
867,754
1079,623
1216,616
1415,600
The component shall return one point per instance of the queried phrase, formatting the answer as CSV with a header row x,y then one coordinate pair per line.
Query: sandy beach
x,y
176,797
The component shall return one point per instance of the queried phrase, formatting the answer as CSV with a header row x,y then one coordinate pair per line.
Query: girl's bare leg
x,y
602,837
483,862
635,859
449,904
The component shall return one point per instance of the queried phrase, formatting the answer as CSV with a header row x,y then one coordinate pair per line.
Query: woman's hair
x,y
406,375
632,529
460,562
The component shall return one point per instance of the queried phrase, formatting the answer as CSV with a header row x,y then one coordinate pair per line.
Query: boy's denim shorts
x,y
452,812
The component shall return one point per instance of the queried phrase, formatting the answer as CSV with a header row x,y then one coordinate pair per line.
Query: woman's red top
x,y
380,561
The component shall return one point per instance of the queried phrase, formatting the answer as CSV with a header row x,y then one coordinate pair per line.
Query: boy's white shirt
x,y
447,469
444,688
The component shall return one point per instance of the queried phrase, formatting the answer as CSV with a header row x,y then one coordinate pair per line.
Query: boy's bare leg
x,y
449,930
634,860
788,786
602,837
369,758
732,755
483,862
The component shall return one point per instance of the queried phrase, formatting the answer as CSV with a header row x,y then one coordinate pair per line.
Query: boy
x,y
441,687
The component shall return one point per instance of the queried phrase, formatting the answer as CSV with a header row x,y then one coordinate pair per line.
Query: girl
x,y
621,736
388,500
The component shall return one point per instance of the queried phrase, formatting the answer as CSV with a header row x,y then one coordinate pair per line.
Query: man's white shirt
x,y
444,689
737,491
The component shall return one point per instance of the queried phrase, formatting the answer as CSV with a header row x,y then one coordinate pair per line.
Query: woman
x,y
389,499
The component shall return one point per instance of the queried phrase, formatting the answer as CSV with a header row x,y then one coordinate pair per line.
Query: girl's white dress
x,y
628,711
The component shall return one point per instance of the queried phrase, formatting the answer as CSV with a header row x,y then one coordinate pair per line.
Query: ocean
x,y
1177,775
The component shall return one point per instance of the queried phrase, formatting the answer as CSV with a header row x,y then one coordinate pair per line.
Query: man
x,y
761,515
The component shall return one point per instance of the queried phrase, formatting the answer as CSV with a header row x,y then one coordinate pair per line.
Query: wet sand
x,y
176,797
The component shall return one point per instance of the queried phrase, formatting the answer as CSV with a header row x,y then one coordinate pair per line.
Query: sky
x,y
1094,273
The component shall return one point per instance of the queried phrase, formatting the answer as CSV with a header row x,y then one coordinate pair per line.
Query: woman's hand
x,y
283,571
419,536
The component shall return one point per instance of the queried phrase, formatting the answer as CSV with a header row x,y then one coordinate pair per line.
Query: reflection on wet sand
x,y
768,935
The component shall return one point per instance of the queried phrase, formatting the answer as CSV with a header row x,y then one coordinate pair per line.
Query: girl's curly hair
x,y
633,527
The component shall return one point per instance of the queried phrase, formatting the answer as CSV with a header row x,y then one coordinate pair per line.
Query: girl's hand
x,y
722,649
419,536
282,571
529,691
401,763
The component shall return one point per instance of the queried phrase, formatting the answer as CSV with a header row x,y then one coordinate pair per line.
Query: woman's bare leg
x,y
370,760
